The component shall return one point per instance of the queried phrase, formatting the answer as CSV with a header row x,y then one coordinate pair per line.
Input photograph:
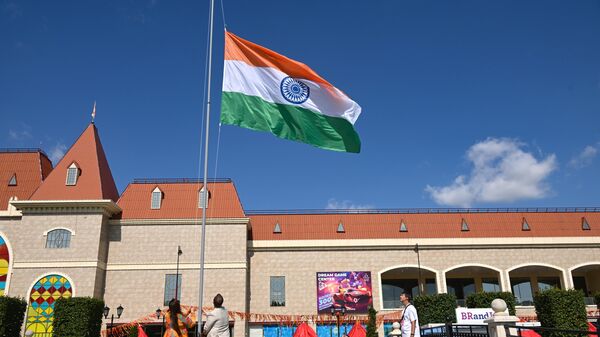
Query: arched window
x,y
4,263
58,238
72,175
42,297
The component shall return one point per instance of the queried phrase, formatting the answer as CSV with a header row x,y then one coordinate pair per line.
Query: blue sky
x,y
465,103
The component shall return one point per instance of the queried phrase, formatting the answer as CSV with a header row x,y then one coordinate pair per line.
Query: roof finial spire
x,y
94,112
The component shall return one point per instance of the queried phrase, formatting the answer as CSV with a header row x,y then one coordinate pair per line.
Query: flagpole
x,y
205,179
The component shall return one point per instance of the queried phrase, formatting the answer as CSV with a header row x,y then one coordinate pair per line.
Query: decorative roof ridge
x,y
426,211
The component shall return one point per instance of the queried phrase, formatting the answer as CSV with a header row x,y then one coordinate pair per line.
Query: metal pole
x,y
112,319
419,267
177,273
205,180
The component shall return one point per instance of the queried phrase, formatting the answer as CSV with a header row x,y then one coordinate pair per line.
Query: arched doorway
x,y
467,279
4,264
587,279
530,279
43,295
405,279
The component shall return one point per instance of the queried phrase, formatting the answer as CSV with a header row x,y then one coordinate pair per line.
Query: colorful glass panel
x,y
4,260
41,302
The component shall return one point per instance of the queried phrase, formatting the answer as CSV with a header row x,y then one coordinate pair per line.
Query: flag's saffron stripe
x,y
239,49
264,82
289,122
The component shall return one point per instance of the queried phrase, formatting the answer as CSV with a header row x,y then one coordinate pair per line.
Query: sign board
x,y
346,289
474,315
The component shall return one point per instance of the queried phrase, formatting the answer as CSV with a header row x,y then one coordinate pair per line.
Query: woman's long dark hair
x,y
174,309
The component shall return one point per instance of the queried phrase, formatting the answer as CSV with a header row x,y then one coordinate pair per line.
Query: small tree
x,y
372,324
12,312
437,308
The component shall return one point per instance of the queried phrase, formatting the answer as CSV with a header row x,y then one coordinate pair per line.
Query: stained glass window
x,y
58,238
44,294
4,260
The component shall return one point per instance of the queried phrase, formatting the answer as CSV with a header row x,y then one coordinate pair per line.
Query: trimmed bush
x,y
560,309
12,313
438,308
597,298
78,317
484,300
372,323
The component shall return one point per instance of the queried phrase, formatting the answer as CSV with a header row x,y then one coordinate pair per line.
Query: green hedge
x,y
484,300
438,308
78,317
597,298
12,313
560,309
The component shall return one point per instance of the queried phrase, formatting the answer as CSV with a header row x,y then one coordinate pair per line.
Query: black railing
x,y
452,330
526,331
429,210
178,180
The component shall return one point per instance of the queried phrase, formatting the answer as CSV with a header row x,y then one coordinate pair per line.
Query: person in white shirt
x,y
217,321
410,319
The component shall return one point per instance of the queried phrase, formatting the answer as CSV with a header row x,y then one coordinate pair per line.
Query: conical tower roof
x,y
94,182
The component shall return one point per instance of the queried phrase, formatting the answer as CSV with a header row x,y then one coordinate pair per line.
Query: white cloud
x,y
19,135
585,157
57,152
345,204
502,172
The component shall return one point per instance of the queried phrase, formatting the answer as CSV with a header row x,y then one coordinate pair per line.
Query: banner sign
x,y
346,289
473,315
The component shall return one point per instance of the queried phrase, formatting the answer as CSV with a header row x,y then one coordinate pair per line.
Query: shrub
x,y
484,300
597,298
12,313
438,308
560,309
78,317
372,323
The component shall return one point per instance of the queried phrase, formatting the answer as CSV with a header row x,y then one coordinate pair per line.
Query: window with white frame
x,y
72,175
58,238
13,180
203,198
156,198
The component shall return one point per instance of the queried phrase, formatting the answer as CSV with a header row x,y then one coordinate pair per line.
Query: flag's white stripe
x,y
264,82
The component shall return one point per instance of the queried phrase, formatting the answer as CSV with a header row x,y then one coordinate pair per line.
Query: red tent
x,y
357,331
304,330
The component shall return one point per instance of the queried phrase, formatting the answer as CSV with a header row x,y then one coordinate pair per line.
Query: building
x,y
66,231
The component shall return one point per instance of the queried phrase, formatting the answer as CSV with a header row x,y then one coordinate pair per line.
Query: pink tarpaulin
x,y
357,331
304,330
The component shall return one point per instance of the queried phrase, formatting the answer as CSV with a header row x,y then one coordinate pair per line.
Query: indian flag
x,y
266,91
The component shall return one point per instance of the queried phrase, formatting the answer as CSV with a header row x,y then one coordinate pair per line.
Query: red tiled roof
x,y
433,225
95,181
30,168
180,201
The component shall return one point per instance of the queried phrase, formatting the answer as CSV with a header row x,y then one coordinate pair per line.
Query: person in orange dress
x,y
178,322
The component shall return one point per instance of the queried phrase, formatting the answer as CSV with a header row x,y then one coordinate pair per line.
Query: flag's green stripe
x,y
289,122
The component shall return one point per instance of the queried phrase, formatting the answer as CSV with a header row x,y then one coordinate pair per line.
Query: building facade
x,y
66,231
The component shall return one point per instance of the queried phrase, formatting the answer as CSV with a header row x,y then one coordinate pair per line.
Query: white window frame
x,y
75,169
201,199
13,180
47,234
155,192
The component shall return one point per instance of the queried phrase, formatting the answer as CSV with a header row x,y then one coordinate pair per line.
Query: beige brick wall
x,y
300,268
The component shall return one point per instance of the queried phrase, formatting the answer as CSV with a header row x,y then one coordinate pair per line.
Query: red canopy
x,y
304,330
357,331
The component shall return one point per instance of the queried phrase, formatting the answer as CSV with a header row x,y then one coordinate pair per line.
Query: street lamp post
x,y
338,313
112,316
179,252
158,312
419,267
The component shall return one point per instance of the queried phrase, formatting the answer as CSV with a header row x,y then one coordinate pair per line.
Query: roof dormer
x,y
13,180
156,198
73,173
201,199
